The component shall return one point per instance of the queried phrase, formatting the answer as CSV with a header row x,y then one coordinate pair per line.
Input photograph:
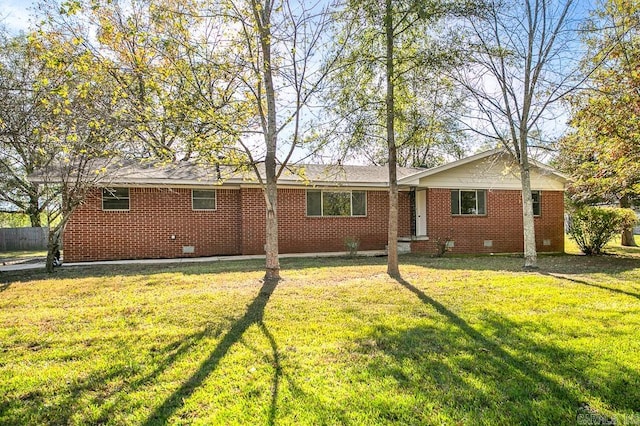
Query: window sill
x,y
413,238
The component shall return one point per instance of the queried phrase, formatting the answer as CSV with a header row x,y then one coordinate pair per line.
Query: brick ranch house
x,y
182,210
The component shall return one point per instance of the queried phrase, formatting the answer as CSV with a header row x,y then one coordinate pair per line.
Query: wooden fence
x,y
12,239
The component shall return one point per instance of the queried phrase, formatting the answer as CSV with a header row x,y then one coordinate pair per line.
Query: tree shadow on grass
x,y
253,315
277,375
41,407
617,385
107,389
530,386
591,284
560,263
196,268
510,377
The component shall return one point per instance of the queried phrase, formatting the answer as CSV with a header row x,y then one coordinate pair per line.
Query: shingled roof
x,y
193,174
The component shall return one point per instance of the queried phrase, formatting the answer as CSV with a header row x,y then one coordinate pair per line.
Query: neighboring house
x,y
182,210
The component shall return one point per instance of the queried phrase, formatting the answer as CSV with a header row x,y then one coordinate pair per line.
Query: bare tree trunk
x,y
392,240
272,261
628,239
33,208
263,18
53,247
530,254
35,220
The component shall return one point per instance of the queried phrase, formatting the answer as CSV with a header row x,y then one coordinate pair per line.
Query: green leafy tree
x,y
280,53
163,61
21,114
428,106
77,128
13,220
602,151
215,82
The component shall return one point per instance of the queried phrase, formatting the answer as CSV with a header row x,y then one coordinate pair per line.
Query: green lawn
x,y
16,256
459,340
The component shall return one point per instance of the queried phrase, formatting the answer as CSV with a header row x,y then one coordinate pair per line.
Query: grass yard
x,y
459,340
17,256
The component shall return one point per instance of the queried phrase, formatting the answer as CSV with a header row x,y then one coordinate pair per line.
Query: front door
x,y
421,213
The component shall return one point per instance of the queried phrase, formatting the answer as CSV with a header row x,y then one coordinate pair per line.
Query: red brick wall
x,y
156,214
404,215
299,233
502,224
145,230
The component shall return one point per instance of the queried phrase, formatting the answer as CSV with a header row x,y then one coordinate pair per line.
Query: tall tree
x,y
602,151
524,63
427,105
393,57
279,52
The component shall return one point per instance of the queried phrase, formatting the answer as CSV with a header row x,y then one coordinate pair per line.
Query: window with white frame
x,y
203,199
535,195
336,203
115,199
468,202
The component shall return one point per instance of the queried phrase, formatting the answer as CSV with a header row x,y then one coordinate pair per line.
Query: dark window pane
x,y
204,204
455,202
468,202
482,202
314,203
115,204
336,203
359,200
536,202
115,198
204,193
115,192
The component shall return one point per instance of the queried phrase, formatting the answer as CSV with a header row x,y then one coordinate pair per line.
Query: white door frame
x,y
421,212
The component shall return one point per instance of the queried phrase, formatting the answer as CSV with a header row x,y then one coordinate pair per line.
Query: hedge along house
x,y
182,210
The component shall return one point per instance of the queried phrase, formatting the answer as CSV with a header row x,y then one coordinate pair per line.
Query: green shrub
x,y
352,244
442,246
593,227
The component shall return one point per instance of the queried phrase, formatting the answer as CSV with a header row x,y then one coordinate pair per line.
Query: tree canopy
x,y
602,149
